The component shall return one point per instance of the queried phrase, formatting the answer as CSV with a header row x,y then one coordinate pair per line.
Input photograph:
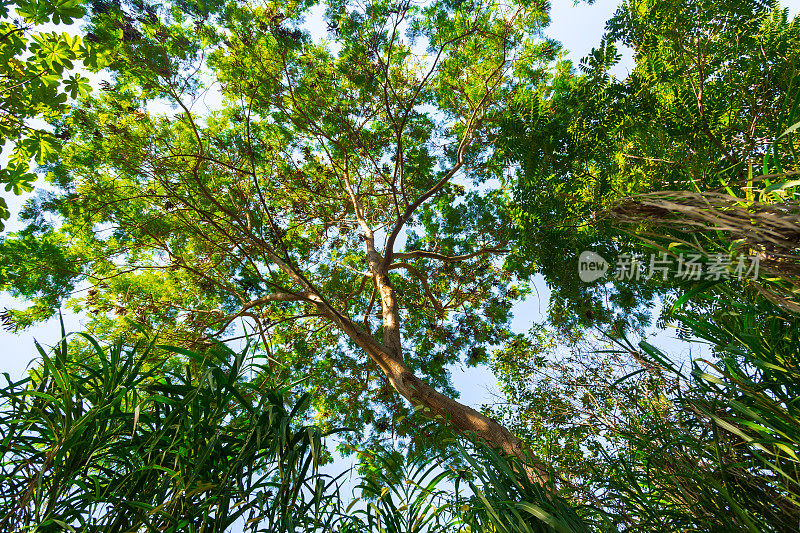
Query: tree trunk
x,y
466,420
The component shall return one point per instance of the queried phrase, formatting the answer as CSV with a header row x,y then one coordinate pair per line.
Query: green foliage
x,y
34,67
284,206
714,85
188,221
109,437
25,271
747,394
99,436
505,500
115,437
755,373
401,493
650,446
469,489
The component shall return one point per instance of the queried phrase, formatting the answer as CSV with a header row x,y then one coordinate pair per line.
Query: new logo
x,y
591,266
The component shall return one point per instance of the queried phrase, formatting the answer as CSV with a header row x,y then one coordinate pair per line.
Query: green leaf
x,y
781,185
42,146
790,129
77,85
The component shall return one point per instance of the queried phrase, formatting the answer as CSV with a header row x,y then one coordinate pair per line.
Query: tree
x,y
325,202
715,83
693,153
657,443
34,84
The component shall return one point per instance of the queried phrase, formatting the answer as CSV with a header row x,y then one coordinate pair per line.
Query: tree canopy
x,y
35,69
366,204
338,200
715,84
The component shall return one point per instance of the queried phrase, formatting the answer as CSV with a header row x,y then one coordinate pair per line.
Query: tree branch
x,y
272,297
446,258
423,281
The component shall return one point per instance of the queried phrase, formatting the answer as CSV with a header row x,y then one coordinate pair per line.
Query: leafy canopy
x,y
331,200
36,83
714,84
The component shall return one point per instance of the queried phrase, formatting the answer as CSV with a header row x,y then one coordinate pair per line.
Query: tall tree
x,y
690,151
337,200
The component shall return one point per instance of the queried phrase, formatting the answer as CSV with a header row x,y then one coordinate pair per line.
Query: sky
x,y
579,28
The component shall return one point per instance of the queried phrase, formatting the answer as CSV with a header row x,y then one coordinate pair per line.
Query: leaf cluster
x,y
35,84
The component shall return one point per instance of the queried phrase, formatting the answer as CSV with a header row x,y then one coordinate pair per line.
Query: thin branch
x,y
423,281
272,297
446,258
